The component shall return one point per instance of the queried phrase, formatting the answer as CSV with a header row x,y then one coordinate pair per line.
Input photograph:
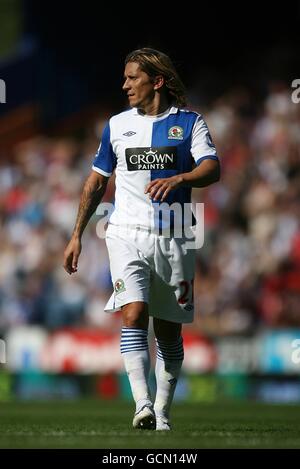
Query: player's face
x,y
138,85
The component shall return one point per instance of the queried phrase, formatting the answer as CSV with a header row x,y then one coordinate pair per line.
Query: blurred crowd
x,y
248,271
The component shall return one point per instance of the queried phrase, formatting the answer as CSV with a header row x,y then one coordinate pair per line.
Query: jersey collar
x,y
171,110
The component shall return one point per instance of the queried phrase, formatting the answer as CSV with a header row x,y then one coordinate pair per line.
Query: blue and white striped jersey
x,y
142,148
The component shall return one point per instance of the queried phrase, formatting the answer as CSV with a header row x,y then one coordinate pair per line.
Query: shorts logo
x,y
146,158
176,132
130,133
119,286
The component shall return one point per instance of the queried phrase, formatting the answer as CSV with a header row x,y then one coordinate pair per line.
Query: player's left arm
x,y
207,171
203,175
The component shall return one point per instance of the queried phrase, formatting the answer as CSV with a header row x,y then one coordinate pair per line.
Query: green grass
x,y
107,424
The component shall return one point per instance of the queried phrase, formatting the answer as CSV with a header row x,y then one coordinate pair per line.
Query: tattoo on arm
x,y
90,198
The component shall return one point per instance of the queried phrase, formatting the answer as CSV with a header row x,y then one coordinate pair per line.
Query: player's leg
x,y
135,352
168,365
131,278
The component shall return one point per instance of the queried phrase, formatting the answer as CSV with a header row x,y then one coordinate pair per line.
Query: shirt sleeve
x,y
105,159
202,147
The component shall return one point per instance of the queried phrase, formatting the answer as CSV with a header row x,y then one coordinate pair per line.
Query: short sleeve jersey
x,y
141,148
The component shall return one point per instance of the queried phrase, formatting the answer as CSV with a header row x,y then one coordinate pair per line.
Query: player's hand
x,y
160,188
71,255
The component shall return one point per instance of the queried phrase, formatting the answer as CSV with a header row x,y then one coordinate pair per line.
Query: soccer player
x,y
159,152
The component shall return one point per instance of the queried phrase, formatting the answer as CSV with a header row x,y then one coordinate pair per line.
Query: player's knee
x,y
166,330
135,315
136,321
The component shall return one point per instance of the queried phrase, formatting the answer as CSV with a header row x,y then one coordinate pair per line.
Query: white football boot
x,y
162,423
144,419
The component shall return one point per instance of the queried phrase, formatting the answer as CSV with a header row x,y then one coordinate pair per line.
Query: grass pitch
x,y
107,424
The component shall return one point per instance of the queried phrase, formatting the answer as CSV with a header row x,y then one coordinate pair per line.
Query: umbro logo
x,y
130,133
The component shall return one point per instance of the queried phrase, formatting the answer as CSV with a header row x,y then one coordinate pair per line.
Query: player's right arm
x,y
93,191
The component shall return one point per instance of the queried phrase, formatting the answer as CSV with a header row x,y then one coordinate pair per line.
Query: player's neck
x,y
155,107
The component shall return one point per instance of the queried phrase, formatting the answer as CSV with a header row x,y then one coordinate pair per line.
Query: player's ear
x,y
158,82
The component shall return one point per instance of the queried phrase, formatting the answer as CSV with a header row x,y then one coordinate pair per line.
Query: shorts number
x,y
184,298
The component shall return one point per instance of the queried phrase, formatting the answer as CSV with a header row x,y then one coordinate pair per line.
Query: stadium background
x,y
63,65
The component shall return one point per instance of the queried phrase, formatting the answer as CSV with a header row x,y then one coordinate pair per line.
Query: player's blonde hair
x,y
154,62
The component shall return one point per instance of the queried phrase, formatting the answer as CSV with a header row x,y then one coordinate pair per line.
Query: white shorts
x,y
155,269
